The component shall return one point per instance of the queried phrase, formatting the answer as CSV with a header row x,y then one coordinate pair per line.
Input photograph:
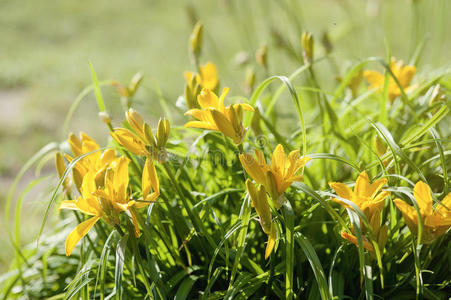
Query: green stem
x,y
198,225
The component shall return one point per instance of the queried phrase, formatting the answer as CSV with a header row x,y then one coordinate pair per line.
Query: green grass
x,y
45,66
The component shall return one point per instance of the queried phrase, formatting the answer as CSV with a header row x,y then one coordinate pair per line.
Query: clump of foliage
x,y
351,200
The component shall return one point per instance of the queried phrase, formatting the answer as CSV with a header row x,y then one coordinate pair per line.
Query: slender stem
x,y
198,225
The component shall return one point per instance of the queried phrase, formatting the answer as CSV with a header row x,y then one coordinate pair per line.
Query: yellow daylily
x,y
403,73
260,202
365,195
435,221
142,141
213,115
91,163
380,233
87,204
208,77
277,176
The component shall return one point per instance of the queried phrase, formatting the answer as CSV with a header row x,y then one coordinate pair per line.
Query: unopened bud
x,y
163,132
195,41
307,47
380,146
262,56
250,79
104,117
149,135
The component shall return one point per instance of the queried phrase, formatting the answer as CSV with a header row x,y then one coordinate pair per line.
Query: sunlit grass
x,y
201,238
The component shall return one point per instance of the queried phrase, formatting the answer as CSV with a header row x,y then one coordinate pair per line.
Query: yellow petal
x,y
75,144
199,114
202,125
223,124
361,188
278,159
224,93
80,231
207,99
260,203
149,179
209,76
409,214
422,194
444,207
342,190
130,141
375,187
353,239
252,168
68,204
136,121
108,156
375,79
271,241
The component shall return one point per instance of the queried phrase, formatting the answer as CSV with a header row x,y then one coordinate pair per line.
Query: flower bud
x,y
195,41
104,117
163,132
307,47
250,79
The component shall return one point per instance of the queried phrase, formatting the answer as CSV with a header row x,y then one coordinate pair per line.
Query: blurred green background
x,y
45,47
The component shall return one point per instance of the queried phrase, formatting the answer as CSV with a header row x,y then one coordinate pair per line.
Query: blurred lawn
x,y
45,46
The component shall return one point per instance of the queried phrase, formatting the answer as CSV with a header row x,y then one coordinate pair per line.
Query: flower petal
x,y
422,193
80,231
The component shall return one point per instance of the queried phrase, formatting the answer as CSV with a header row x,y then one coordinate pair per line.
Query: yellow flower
x,y
403,73
213,115
260,202
208,77
91,163
87,204
365,195
143,142
277,176
435,221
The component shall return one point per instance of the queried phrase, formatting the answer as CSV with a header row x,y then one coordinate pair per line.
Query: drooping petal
x,y
80,231
130,141
108,156
278,160
353,239
271,241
